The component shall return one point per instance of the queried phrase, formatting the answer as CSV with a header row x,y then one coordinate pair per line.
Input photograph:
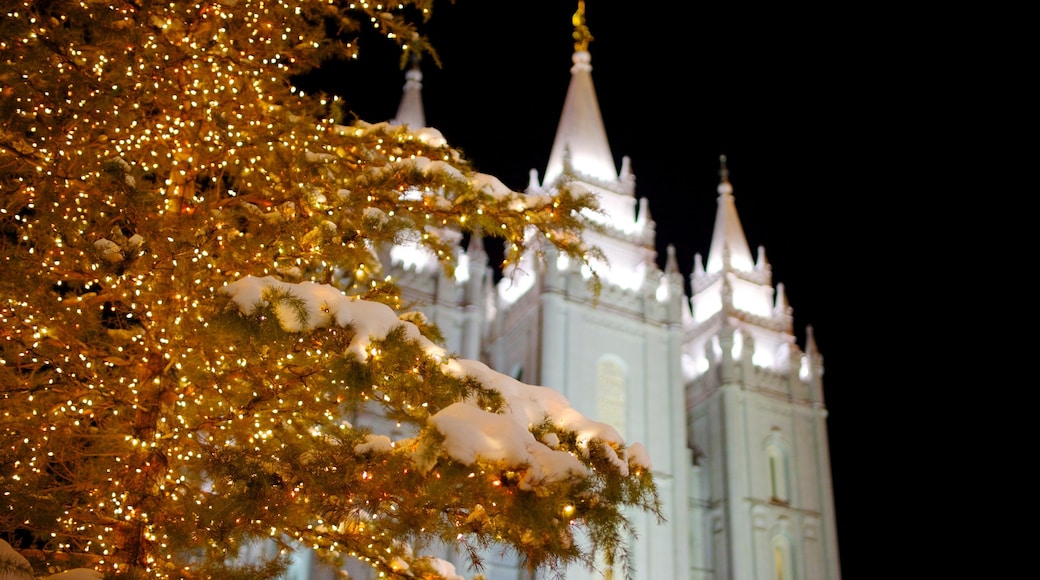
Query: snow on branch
x,y
470,432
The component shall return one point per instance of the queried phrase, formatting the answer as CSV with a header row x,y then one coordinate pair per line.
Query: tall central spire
x,y
581,145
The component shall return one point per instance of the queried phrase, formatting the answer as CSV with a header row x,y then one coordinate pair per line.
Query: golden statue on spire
x,y
582,36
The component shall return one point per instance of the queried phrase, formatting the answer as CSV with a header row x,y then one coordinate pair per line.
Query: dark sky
x,y
802,105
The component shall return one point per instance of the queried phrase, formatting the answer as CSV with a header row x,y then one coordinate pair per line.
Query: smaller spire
x,y
582,36
627,178
476,247
810,341
626,166
410,112
532,181
671,263
782,305
643,217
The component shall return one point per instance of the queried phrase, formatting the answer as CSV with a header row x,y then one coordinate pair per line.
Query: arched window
x,y
778,470
611,377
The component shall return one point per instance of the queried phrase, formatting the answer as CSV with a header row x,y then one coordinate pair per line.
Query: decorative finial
x,y
724,188
414,73
582,36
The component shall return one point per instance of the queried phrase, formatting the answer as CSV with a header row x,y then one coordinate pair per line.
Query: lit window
x,y
783,567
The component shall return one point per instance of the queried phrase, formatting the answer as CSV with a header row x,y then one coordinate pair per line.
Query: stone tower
x,y
713,384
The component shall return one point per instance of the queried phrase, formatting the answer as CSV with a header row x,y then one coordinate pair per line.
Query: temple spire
x,y
671,263
410,112
580,147
729,248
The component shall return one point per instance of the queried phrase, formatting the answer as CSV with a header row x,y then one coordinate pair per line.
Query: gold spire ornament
x,y
582,36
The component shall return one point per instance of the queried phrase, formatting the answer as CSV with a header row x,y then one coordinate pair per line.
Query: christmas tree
x,y
194,318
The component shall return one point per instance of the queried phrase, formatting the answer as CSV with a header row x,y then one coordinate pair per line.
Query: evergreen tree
x,y
154,425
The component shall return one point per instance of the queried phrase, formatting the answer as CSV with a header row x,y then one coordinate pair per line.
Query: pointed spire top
x,y
643,217
725,187
782,305
580,147
671,264
761,263
810,341
582,36
698,264
729,248
410,111
476,246
532,181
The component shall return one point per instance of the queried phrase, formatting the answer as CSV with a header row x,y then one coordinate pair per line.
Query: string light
x,y
152,157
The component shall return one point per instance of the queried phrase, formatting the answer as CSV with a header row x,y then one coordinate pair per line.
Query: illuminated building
x,y
714,384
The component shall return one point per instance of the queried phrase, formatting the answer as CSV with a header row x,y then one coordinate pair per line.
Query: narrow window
x,y
778,476
610,392
775,492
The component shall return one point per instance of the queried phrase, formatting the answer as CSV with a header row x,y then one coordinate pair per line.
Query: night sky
x,y
798,102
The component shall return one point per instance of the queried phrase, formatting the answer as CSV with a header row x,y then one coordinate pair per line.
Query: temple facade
x,y
712,381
